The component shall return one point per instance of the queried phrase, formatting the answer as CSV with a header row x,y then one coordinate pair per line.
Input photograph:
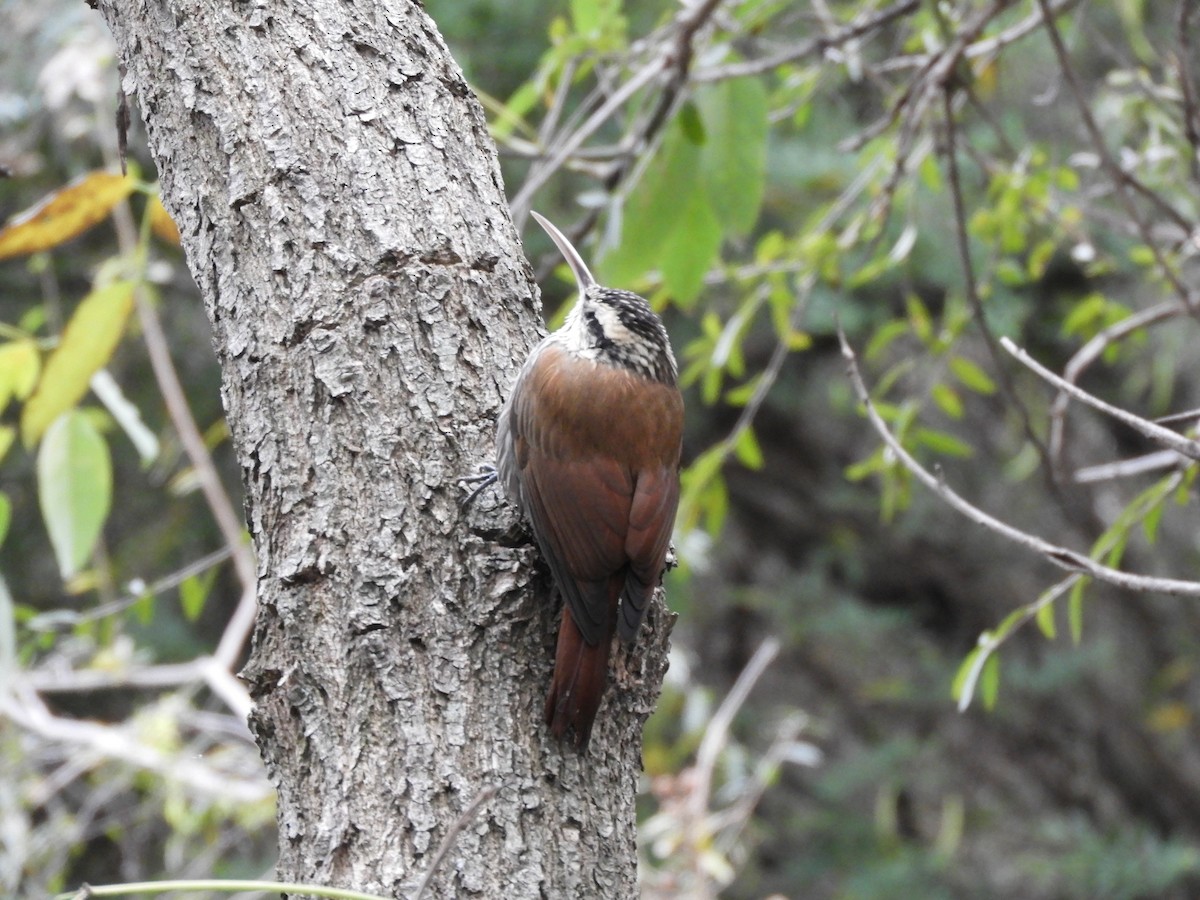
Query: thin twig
x,y
963,244
1164,436
229,521
860,28
468,814
717,731
554,113
25,708
135,592
675,63
1124,180
520,203
729,824
989,642
1187,86
1026,26
1089,353
1063,557
934,74
1129,468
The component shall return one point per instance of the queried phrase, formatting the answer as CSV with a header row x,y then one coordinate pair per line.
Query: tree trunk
x,y
342,211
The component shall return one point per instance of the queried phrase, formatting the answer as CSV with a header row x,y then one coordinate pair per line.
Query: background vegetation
x,y
927,177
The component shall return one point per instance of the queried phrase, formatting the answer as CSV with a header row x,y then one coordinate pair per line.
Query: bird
x,y
588,446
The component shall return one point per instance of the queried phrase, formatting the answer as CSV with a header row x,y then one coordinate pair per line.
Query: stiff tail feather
x,y
580,675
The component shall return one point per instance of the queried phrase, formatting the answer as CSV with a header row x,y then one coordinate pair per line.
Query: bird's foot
x,y
484,477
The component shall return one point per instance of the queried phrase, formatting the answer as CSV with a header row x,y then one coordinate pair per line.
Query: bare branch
x,y
1129,468
1089,353
1183,65
452,833
934,74
135,591
1064,558
24,708
674,63
972,289
1164,436
1124,180
860,28
542,174
229,520
718,728
1010,35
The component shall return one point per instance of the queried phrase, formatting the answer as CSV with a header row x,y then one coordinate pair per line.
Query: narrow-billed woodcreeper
x,y
588,446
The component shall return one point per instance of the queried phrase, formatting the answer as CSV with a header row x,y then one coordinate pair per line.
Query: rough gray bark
x,y
342,212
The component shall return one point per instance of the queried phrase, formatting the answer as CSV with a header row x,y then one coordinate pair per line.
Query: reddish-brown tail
x,y
580,674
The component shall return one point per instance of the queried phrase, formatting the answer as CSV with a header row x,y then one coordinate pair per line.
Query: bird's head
x,y
612,326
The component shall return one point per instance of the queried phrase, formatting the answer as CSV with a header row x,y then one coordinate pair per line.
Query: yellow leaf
x,y
87,344
20,364
1168,717
162,224
986,76
64,214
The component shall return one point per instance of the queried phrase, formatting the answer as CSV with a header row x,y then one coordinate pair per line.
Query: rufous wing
x,y
651,520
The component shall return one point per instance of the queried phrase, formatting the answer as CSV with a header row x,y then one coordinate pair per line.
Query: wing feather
x,y
651,519
583,551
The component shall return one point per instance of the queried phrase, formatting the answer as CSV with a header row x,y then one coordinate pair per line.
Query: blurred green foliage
x,y
848,183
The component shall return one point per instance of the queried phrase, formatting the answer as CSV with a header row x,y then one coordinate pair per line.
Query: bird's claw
x,y
483,478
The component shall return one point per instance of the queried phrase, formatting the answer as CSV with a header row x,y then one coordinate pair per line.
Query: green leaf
x,y
919,318
1067,179
692,124
5,516
20,364
1083,313
931,173
654,209
143,608
1045,620
870,271
734,158
74,488
1010,274
1039,258
866,467
747,448
972,376
883,336
600,22
1151,522
740,395
194,591
689,250
511,115
940,442
947,400
587,15
959,683
1141,255
989,682
703,492
87,344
